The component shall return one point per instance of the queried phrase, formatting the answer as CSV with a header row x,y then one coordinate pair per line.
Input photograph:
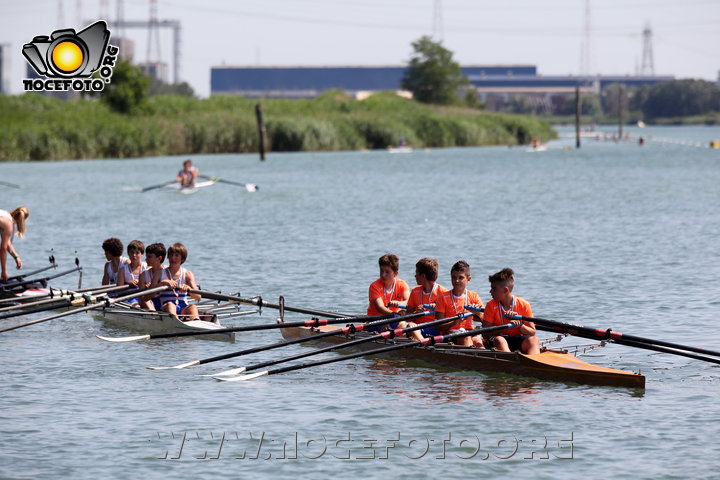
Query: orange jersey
x,y
377,290
495,316
419,298
450,305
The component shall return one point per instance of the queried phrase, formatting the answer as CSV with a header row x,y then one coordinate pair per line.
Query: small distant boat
x,y
539,148
401,149
191,189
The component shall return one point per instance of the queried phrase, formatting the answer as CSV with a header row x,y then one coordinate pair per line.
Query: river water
x,y
611,235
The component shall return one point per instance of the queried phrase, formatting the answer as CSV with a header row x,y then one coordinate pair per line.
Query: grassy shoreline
x,y
38,127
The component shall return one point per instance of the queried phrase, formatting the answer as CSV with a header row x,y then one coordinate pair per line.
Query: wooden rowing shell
x,y
554,365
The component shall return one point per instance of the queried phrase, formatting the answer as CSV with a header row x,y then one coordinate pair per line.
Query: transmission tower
x,y
120,17
153,35
61,15
437,21
586,66
105,11
647,66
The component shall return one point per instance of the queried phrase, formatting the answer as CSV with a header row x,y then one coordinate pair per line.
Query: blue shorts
x,y
430,332
382,328
156,303
180,305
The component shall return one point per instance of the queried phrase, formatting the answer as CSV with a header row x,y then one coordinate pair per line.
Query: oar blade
x,y
177,367
124,339
251,187
240,378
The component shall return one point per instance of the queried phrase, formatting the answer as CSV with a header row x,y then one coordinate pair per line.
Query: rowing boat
x,y
145,321
555,365
189,189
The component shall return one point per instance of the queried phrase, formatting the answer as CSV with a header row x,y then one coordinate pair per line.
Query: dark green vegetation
x,y
36,127
675,102
432,76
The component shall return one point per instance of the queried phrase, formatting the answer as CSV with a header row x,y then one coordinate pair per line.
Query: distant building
x,y
308,82
157,70
496,85
5,68
497,91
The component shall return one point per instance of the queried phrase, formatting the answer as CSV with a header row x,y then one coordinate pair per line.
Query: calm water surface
x,y
612,235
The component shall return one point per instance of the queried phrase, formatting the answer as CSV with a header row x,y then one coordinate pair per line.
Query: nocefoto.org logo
x,y
68,59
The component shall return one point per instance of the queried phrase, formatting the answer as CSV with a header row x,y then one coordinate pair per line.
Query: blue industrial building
x,y
307,82
495,85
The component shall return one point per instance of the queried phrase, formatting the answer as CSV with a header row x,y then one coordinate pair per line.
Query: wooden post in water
x,y
620,111
577,117
261,130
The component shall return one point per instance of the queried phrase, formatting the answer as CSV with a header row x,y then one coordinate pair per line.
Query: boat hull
x,y
551,365
158,322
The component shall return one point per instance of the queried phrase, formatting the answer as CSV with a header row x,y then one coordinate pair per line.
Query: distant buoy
x,y
715,144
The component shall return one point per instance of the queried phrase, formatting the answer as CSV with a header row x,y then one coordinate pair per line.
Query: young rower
x,y
426,292
180,280
452,303
130,273
154,256
504,304
188,174
10,222
113,248
387,288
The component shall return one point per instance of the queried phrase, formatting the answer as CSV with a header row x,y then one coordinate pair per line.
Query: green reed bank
x,y
38,127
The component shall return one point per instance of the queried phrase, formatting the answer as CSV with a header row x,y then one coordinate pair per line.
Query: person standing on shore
x,y
10,222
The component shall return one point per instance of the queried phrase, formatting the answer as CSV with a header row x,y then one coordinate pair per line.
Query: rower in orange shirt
x,y
503,305
387,288
426,293
452,303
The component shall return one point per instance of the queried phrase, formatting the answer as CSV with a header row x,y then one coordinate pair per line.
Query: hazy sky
x,y
546,33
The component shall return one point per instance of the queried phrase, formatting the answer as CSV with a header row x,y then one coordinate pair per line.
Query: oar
x,y
620,338
258,302
250,187
248,328
56,292
414,343
609,334
159,185
387,335
68,299
43,280
8,184
107,302
35,272
358,327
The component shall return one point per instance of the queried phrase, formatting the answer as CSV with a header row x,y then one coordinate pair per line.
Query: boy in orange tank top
x,y
387,288
503,305
452,303
426,293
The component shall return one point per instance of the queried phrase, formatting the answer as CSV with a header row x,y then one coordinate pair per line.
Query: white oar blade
x,y
226,373
123,339
242,377
182,365
251,187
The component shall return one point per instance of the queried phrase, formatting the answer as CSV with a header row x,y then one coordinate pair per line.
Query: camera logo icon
x,y
69,59
66,54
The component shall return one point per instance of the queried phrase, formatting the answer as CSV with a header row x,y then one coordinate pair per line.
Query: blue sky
x,y
548,33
